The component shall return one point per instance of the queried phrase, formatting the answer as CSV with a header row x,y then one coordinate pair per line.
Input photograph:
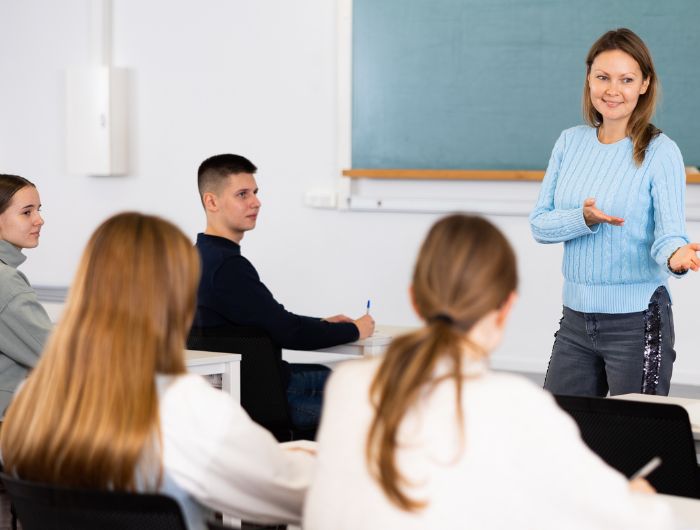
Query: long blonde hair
x,y
639,128
465,269
88,414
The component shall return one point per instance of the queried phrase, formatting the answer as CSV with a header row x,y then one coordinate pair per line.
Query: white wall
x,y
259,79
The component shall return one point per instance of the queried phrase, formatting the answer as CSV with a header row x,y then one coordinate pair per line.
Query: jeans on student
x,y
305,393
597,353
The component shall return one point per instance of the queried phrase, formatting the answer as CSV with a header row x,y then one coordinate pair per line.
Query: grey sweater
x,y
24,324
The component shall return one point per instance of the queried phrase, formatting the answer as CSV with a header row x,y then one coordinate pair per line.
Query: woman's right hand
x,y
365,325
593,215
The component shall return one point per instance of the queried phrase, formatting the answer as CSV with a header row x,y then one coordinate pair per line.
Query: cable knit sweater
x,y
612,269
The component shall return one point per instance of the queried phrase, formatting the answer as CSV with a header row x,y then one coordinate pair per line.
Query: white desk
x,y
374,345
226,364
685,510
692,407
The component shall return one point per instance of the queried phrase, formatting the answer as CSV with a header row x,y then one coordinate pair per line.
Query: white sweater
x,y
214,455
523,464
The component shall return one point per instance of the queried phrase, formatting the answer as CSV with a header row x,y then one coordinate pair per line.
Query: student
x,y
614,194
428,437
231,293
109,405
24,324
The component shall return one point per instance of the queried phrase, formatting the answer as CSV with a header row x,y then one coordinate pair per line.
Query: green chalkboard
x,y
490,84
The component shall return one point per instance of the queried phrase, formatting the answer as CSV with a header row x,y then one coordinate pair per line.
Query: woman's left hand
x,y
685,258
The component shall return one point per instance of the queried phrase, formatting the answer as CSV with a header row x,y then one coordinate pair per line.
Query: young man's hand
x,y
366,326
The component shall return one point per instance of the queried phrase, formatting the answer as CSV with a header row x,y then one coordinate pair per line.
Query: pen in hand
x,y
645,470
368,307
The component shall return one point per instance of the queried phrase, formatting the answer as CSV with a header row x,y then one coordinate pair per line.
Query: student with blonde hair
x,y
109,406
24,324
428,437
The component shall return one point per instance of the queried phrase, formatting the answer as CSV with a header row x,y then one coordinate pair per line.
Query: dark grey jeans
x,y
597,353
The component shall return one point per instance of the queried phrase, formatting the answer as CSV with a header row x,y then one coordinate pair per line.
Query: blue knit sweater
x,y
612,269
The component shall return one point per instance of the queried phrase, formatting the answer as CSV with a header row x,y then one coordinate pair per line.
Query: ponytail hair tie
x,y
442,317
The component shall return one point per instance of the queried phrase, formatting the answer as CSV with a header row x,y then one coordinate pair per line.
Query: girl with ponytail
x,y
428,437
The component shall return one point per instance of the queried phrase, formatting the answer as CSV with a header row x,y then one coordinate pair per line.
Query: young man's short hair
x,y
216,169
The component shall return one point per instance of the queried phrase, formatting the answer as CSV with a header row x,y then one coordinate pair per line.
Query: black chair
x,y
263,391
49,507
627,434
218,525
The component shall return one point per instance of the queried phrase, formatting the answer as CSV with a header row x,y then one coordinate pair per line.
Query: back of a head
x,y
465,270
9,185
89,412
214,171
138,273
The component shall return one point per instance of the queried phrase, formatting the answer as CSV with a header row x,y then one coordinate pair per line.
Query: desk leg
x,y
231,380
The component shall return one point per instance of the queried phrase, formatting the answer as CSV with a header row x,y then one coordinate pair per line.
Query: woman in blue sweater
x,y
614,193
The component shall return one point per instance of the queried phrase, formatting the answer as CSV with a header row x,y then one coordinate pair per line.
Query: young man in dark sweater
x,y
231,293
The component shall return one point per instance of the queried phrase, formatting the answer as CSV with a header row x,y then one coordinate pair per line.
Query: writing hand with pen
x,y
365,323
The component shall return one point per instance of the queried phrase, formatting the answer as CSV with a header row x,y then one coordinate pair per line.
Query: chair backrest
x,y
49,507
263,392
627,434
216,525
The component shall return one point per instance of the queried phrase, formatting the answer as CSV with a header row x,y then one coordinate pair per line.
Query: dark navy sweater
x,y
231,293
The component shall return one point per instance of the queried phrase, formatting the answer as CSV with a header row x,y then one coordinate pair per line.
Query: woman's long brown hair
x,y
88,414
465,269
639,128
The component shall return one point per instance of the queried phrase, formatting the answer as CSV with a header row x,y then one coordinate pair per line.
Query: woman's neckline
x,y
622,140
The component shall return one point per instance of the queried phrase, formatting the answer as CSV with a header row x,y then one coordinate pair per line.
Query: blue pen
x,y
368,307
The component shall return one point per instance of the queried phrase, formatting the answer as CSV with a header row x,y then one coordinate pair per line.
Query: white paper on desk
x,y
693,410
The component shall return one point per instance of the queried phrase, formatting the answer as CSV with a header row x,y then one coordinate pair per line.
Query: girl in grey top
x,y
24,324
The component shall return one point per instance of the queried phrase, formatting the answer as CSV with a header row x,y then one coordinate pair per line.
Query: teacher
x,y
614,194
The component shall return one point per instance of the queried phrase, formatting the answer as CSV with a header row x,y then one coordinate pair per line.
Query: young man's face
x,y
238,205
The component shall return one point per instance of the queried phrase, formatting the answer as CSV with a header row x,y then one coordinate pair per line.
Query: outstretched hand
x,y
685,258
593,215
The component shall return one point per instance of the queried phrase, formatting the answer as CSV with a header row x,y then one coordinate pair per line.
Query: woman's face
x,y
21,223
615,83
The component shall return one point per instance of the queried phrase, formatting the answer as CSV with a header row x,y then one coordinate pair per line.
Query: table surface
x,y
197,357
687,511
383,334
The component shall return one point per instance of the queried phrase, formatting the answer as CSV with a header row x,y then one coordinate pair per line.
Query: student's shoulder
x,y
182,387
191,396
217,254
12,284
353,374
514,391
364,367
